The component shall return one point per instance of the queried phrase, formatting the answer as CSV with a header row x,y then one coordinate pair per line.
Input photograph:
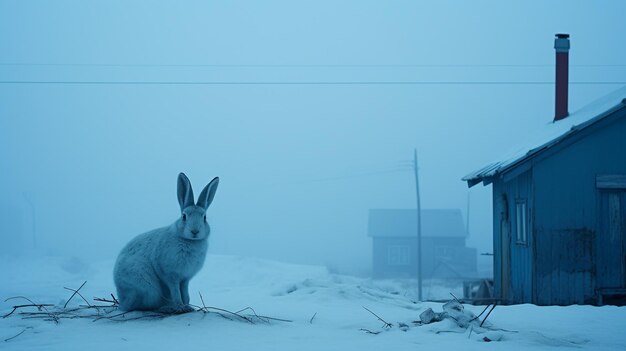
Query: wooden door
x,y
611,240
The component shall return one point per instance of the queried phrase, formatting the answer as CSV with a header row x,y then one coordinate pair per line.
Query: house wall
x,y
566,217
381,265
611,241
442,257
513,258
448,257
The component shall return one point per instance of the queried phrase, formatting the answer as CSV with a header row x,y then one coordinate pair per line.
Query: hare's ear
x,y
185,193
208,193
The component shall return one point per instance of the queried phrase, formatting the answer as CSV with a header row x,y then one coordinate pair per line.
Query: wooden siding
x,y
457,261
568,212
513,261
381,266
519,191
567,256
611,248
611,181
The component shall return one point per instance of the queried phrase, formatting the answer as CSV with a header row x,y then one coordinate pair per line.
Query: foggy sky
x,y
299,165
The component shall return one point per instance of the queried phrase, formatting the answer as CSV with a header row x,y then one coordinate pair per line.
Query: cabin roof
x,y
403,223
550,135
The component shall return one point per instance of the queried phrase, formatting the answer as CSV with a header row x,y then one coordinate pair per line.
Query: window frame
x,y
401,255
521,224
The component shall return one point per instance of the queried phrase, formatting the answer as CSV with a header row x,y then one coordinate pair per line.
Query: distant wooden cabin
x,y
559,210
444,253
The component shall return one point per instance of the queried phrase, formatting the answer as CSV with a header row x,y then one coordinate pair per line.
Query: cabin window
x,y
398,255
521,221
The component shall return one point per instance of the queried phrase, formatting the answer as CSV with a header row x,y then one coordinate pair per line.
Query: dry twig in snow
x,y
457,300
74,294
369,331
18,334
32,304
102,311
481,313
487,316
247,318
113,302
386,325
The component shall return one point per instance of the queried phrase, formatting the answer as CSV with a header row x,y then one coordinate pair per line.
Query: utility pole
x,y
419,229
467,219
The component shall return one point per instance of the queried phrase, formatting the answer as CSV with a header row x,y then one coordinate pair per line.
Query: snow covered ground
x,y
285,291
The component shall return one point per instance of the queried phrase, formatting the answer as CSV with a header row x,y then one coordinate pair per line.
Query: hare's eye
x,y
184,217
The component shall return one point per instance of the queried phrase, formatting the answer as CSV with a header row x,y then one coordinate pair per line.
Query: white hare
x,y
153,270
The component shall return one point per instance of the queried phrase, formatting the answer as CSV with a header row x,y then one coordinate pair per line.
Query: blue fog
x,y
299,165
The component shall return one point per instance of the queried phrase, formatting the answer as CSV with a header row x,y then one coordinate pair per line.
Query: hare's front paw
x,y
187,308
178,309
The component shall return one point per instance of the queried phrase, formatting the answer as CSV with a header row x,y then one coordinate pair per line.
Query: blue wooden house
x,y
559,210
444,253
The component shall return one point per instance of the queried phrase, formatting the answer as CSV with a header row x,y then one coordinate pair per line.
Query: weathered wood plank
x,y
611,181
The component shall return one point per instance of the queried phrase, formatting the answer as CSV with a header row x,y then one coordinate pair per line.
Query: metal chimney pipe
x,y
561,45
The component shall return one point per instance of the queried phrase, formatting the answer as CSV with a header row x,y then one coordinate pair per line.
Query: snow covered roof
x,y
551,134
403,223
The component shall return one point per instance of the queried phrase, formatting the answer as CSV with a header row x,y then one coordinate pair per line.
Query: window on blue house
x,y
521,219
398,255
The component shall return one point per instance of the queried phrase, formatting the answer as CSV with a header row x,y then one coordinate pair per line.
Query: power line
x,y
94,82
32,64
